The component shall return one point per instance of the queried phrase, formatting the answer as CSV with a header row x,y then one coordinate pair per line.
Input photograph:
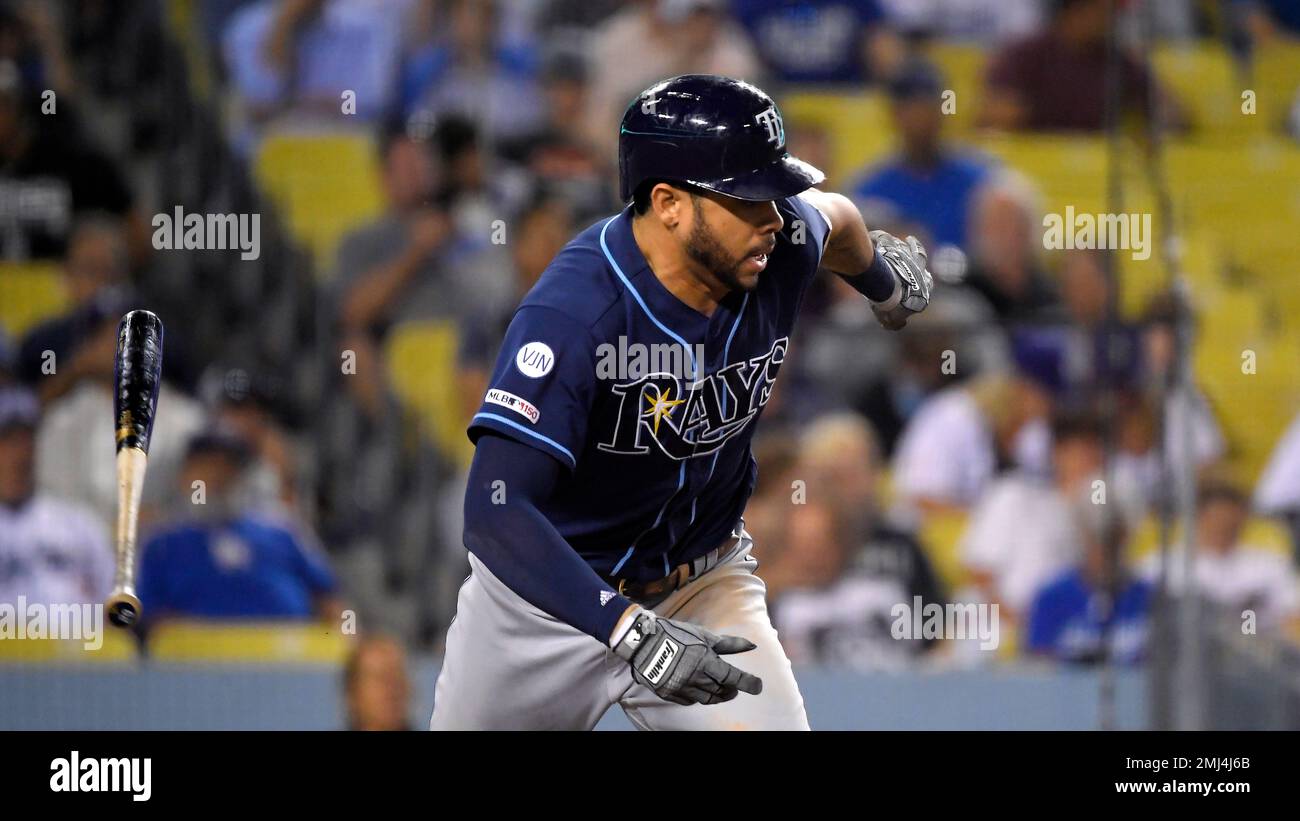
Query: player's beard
x,y
704,248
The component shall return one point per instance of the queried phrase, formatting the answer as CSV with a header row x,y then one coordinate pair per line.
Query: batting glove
x,y
908,260
680,662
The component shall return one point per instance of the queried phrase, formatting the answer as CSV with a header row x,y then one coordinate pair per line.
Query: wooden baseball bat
x,y
137,369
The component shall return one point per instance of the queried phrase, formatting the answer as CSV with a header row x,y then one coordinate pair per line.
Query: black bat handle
x,y
137,372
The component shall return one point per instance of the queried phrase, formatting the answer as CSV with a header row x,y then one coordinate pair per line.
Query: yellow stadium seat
x,y
1208,86
1259,533
962,66
115,647
1275,76
255,642
29,294
940,536
324,184
421,359
859,126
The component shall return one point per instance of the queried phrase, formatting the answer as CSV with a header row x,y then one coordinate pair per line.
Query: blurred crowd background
x,y
417,163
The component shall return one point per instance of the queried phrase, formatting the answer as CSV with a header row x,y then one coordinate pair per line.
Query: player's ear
x,y
666,202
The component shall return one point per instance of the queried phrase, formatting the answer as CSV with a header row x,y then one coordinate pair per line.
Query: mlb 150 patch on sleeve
x,y
520,406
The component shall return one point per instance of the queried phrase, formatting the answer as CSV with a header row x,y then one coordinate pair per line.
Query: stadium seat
x,y
1275,76
1261,533
117,647
29,294
962,66
252,642
1207,85
858,124
324,184
941,535
421,359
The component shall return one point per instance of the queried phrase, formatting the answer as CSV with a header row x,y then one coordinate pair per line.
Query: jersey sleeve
x,y
543,385
816,227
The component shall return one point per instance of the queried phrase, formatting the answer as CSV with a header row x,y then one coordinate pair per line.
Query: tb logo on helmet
x,y
770,119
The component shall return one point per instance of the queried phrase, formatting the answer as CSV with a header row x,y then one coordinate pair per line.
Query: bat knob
x,y
123,608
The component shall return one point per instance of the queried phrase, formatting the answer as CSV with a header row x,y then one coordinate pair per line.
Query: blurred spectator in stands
x,y
124,53
294,59
1278,491
68,360
575,15
31,38
927,182
958,341
52,551
245,404
1154,403
1099,609
651,40
1055,80
767,511
849,362
842,569
215,557
976,21
558,153
1233,575
540,232
375,479
376,687
476,198
1005,245
1267,21
51,174
466,69
1021,533
8,357
961,437
807,42
389,268
62,351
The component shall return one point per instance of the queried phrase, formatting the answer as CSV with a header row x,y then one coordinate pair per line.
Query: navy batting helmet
x,y
712,132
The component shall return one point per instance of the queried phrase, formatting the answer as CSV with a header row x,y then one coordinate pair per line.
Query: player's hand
x,y
681,662
908,260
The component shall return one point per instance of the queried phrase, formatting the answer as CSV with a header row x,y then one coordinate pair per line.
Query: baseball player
x,y
609,560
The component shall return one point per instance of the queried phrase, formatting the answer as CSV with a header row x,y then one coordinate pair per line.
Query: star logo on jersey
x,y
712,409
605,596
661,405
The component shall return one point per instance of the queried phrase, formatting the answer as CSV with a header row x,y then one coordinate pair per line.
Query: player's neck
x,y
682,276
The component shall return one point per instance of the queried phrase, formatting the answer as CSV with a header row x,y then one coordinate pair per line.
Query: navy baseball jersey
x,y
659,456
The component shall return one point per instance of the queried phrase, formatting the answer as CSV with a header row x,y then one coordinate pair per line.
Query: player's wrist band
x,y
878,283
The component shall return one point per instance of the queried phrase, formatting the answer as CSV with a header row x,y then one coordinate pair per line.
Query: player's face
x,y
732,238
